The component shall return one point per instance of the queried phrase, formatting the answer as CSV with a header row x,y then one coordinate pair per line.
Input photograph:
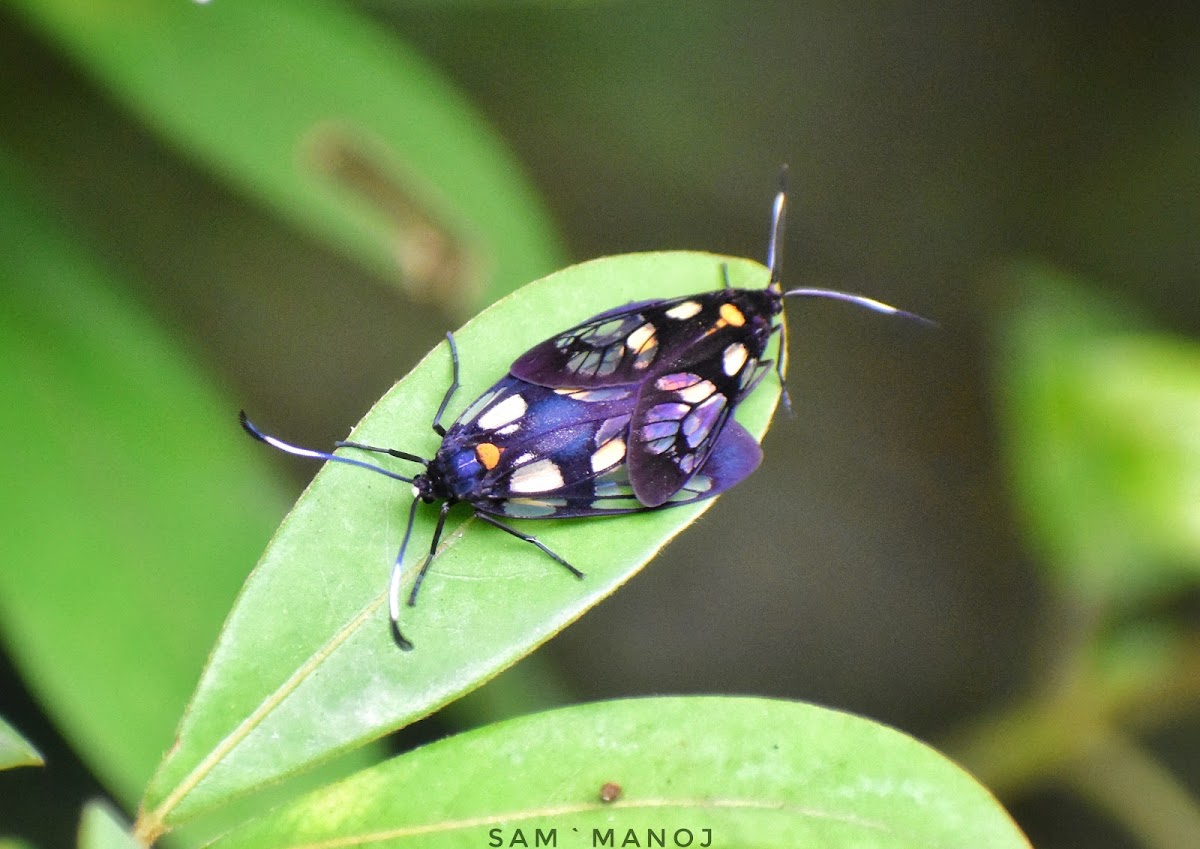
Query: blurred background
x,y
987,535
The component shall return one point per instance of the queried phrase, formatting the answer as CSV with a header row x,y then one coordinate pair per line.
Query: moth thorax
x,y
424,489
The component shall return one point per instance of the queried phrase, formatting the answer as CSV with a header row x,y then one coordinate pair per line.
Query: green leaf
x,y
1102,422
306,666
15,750
1143,395
330,120
138,505
102,827
729,771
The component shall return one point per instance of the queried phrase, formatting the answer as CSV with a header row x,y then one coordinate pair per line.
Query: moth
x,y
522,451
693,359
628,411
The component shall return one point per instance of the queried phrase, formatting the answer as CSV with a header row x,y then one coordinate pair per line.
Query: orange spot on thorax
x,y
488,454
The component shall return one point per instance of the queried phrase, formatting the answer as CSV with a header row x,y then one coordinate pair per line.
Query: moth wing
x,y
734,456
535,452
617,347
681,411
558,453
514,412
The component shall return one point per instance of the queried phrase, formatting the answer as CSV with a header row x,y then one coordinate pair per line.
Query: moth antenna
x,y
394,583
288,448
775,243
402,642
859,300
394,452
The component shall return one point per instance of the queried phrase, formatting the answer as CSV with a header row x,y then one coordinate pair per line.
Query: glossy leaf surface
x,y
701,771
306,667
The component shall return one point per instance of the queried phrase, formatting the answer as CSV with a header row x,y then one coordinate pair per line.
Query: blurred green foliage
x,y
127,511
123,511
320,116
102,827
15,750
1103,426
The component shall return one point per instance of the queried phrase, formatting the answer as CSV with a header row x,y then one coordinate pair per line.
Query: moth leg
x,y
530,539
437,419
437,537
725,275
760,372
783,393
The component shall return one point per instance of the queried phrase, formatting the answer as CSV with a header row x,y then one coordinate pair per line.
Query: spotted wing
x,y
619,346
682,411
735,455
528,451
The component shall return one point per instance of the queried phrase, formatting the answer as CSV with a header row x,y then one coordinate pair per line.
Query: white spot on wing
x,y
528,508
542,476
734,358
506,412
640,337
685,310
608,455
676,381
697,392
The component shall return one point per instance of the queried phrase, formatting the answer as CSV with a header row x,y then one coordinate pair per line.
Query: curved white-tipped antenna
x,y
859,300
288,448
778,219
394,582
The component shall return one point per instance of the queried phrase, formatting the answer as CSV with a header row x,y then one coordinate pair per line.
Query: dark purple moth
x,y
693,359
629,411
522,451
